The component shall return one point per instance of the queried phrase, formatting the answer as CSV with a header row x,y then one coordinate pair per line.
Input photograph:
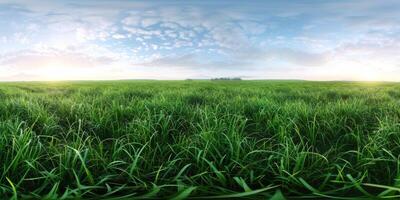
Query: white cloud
x,y
155,47
119,36
4,39
191,61
142,32
171,33
36,59
21,38
132,20
252,27
150,21
187,21
299,58
170,25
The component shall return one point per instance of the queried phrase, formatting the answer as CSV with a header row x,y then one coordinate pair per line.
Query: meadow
x,y
199,140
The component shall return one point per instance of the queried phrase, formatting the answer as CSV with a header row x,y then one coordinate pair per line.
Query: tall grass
x,y
199,139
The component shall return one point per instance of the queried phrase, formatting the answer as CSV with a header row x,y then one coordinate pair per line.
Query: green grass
x,y
199,139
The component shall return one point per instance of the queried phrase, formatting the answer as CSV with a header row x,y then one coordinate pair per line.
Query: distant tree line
x,y
226,79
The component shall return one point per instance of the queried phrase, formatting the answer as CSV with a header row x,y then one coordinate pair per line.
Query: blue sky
x,y
313,40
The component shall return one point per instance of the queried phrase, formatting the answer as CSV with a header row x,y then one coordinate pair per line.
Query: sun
x,y
369,75
57,73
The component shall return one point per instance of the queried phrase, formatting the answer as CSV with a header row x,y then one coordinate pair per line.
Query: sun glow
x,y
56,73
369,75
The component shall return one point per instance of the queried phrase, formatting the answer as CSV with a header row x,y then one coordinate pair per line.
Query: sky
x,y
176,39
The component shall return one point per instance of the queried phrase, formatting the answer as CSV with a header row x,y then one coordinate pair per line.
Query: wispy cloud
x,y
55,58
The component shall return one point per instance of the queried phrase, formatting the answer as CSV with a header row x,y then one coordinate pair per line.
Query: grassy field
x,y
199,139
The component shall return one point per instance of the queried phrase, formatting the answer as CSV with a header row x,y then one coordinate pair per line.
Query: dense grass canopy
x,y
199,139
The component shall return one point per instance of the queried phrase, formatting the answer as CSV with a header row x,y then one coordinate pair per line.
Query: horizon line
x,y
196,79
